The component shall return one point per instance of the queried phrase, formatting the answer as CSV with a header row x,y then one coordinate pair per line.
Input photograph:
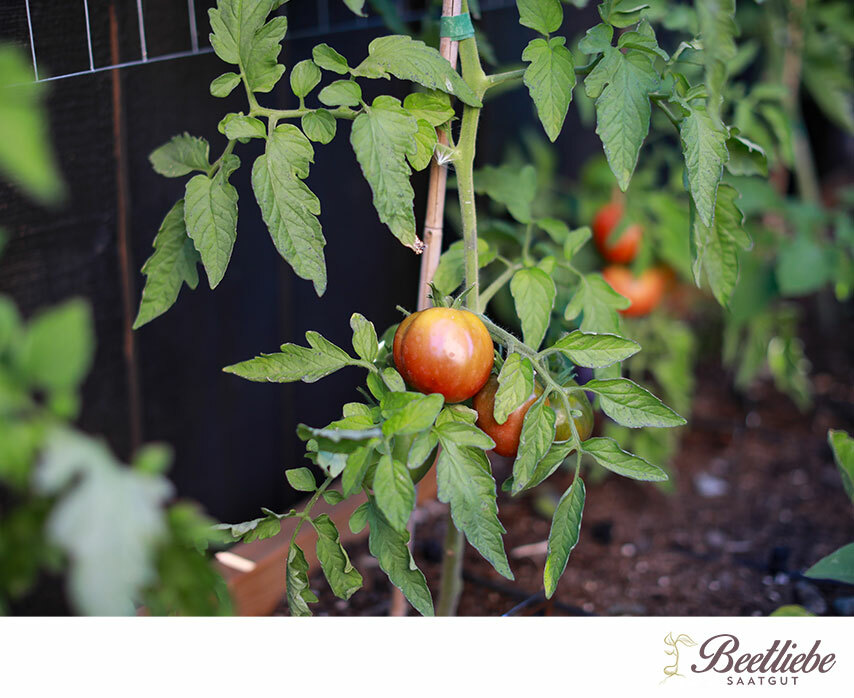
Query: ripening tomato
x,y
444,350
644,292
616,246
506,436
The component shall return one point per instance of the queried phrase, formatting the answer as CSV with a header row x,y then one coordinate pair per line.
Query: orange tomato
x,y
617,248
644,292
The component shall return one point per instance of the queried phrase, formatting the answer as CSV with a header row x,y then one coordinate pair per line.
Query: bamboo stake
x,y
433,227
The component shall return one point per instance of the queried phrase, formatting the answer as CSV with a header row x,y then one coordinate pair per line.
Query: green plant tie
x,y
456,28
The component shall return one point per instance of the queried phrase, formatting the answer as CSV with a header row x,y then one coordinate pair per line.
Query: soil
x,y
757,500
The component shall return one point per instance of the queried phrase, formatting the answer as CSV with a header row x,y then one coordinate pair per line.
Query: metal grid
x,y
323,26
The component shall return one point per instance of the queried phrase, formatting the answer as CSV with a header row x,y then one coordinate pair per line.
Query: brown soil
x,y
647,552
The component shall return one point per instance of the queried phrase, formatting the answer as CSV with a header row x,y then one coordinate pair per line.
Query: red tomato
x,y
619,247
506,436
444,350
644,292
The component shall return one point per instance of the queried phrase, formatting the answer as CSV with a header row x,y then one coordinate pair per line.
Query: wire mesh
x,y
326,23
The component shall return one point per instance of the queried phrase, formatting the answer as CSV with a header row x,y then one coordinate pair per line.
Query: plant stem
x,y
304,514
339,113
472,72
498,284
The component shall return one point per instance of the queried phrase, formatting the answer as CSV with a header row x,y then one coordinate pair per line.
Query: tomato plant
x,y
563,314
444,350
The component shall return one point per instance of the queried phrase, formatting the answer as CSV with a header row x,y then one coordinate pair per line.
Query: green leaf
x,y
803,266
241,37
297,583
704,145
394,491
621,84
643,39
433,107
534,295
599,303
332,497
288,206
393,380
343,578
105,512
746,158
364,337
838,566
359,518
792,611
510,186
305,76
329,59
58,346
294,363
390,549
843,453
715,246
621,13
26,156
465,434
575,241
256,529
465,482
409,413
354,472
629,404
595,350
608,454
451,270
538,432
172,264
319,126
544,16
409,59
550,78
234,126
181,155
382,137
224,85
421,448
717,26
341,93
356,6
301,479
425,142
550,462
210,214
563,536
515,386
597,39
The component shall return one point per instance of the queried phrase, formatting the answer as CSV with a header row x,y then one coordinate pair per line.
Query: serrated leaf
x,y
704,146
550,78
629,404
434,107
608,454
224,84
181,155
382,137
409,59
301,479
564,533
597,39
621,84
465,482
390,549
716,20
464,434
210,214
288,206
394,491
329,59
843,453
544,16
341,93
839,566
534,296
294,363
599,303
538,432
425,142
715,246
643,39
515,386
510,186
409,413
305,76
364,337
621,13
297,583
57,347
319,126
343,578
595,350
172,264
241,37
256,529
